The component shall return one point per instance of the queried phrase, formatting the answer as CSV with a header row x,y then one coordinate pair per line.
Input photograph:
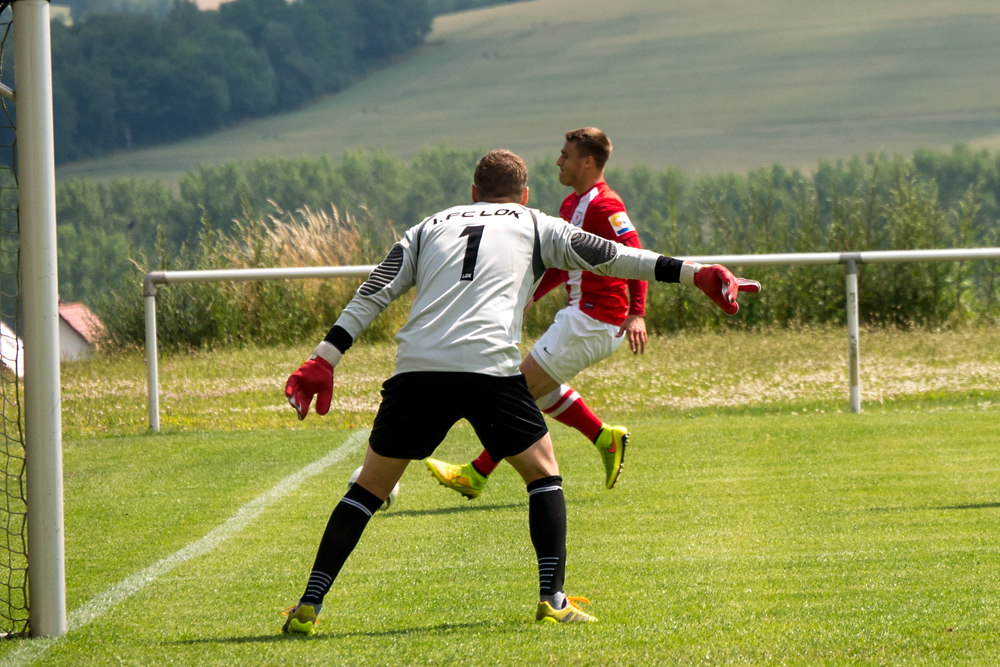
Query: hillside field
x,y
708,87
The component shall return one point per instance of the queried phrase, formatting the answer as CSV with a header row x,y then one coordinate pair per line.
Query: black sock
x,y
343,531
547,522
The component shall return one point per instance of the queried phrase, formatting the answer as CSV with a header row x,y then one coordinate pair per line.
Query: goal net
x,y
13,538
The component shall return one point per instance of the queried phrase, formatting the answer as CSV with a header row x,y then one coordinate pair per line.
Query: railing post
x,y
152,380
853,344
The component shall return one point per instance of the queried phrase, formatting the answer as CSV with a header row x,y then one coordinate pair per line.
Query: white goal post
x,y
850,260
39,279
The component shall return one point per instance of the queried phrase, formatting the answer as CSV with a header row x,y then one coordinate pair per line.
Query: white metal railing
x,y
155,278
850,260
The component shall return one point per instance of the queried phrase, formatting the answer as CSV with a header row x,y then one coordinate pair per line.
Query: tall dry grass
x,y
302,238
269,312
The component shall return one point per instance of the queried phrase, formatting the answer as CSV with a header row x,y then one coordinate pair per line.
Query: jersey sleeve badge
x,y
621,224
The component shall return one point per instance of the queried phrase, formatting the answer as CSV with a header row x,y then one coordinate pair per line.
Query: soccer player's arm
x,y
390,280
569,248
636,288
634,325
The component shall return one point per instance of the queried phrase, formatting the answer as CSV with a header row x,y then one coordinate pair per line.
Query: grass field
x,y
757,521
708,87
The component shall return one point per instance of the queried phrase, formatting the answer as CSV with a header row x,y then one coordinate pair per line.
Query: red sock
x,y
485,465
572,411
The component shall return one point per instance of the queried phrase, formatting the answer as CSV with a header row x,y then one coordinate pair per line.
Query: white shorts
x,y
574,342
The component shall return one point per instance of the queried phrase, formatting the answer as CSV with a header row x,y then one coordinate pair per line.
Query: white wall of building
x,y
11,350
72,346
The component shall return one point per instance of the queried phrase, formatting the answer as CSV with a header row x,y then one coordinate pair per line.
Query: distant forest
x,y
123,80
132,73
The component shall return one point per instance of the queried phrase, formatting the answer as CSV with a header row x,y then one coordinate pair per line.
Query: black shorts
x,y
419,408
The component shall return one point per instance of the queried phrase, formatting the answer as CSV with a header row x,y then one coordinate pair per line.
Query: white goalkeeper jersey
x,y
474,268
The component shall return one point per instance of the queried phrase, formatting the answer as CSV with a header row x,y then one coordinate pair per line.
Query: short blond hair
x,y
500,175
591,142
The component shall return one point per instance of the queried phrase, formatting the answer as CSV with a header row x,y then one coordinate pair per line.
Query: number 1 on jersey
x,y
475,234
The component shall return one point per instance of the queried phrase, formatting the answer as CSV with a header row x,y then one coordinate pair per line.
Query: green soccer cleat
x,y
464,479
302,619
568,614
611,442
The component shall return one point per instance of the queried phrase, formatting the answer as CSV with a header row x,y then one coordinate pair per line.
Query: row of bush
x,y
126,80
934,200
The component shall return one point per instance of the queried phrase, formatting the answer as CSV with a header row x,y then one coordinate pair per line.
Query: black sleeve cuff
x,y
340,339
668,269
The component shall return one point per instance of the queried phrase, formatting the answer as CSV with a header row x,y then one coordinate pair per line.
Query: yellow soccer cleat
x,y
611,442
464,479
568,614
302,619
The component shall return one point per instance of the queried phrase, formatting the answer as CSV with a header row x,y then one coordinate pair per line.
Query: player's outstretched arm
x,y
564,247
715,280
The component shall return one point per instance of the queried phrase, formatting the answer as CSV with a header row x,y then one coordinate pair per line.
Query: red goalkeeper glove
x,y
718,283
314,378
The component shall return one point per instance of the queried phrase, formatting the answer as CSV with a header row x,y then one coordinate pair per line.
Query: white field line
x,y
33,649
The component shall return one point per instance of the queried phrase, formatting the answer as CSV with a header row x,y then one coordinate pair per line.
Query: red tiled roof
x,y
82,320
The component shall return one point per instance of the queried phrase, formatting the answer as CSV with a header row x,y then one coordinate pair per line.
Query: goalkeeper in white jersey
x,y
474,268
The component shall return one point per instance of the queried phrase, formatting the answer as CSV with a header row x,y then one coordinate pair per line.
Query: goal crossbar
x,y
850,260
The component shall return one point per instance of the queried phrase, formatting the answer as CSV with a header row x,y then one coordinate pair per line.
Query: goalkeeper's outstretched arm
x,y
565,247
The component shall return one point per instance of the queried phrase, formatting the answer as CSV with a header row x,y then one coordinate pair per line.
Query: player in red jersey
x,y
601,311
